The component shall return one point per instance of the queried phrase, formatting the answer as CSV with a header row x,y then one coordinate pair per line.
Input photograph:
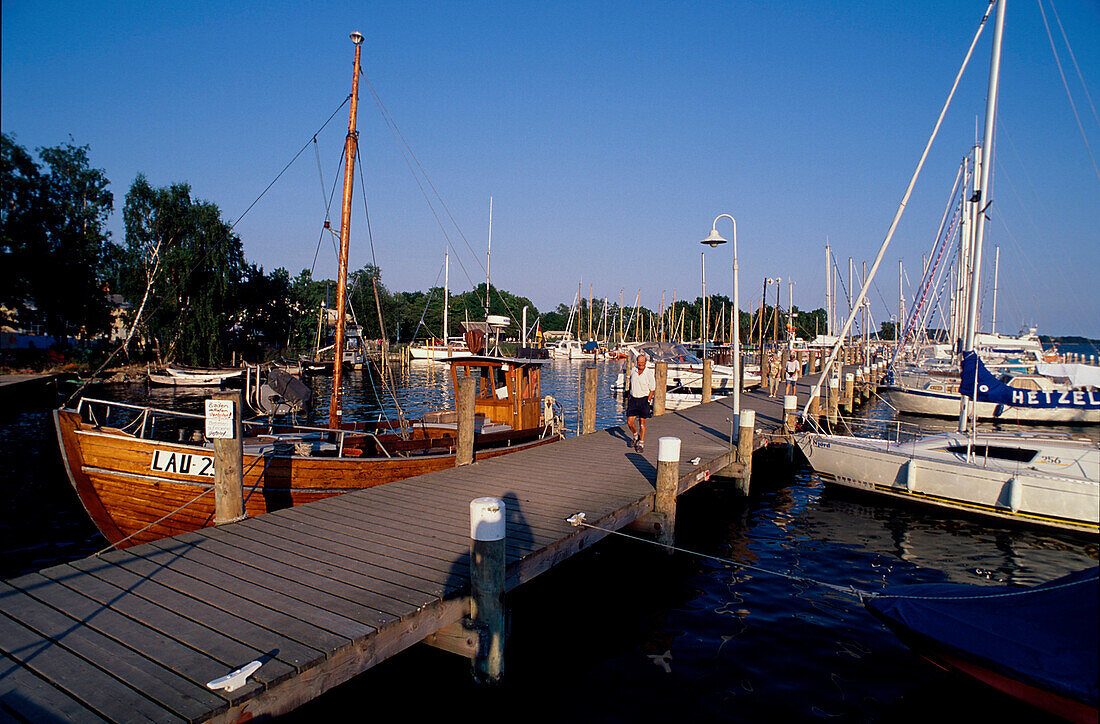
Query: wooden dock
x,y
321,592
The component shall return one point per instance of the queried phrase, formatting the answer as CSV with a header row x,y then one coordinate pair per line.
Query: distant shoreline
x,y
1070,339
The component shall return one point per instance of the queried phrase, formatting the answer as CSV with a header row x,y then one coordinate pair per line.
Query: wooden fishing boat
x,y
145,473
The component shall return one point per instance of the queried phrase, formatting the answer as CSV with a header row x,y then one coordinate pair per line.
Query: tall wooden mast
x,y
350,147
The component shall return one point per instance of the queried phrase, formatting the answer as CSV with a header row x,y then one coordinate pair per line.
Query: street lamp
x,y
790,315
714,239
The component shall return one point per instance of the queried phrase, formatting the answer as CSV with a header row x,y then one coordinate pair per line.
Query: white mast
x,y
488,252
446,301
983,193
901,303
828,291
996,275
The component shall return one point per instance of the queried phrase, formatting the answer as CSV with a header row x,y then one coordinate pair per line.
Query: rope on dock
x,y
577,520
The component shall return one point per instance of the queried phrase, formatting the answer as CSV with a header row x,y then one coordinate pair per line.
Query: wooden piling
x,y
228,455
706,379
834,399
746,427
487,532
660,375
790,419
664,499
849,393
464,409
588,386
814,410
790,413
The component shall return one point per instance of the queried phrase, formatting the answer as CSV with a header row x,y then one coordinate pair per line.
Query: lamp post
x,y
790,316
703,312
763,313
714,239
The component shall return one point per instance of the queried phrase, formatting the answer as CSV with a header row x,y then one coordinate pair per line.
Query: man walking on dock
x,y
640,388
793,368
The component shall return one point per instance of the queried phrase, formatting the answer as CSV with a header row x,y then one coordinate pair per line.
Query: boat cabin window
x,y
1016,454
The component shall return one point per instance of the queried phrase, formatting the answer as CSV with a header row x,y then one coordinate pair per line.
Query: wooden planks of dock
x,y
321,592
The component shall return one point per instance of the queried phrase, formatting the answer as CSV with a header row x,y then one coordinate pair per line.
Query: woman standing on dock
x,y
774,371
640,388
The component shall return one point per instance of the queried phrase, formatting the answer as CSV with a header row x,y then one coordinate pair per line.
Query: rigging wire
x,y
406,152
419,173
289,163
1069,96
1073,57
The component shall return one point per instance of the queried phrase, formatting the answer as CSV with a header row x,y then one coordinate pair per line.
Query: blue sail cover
x,y
1046,636
991,389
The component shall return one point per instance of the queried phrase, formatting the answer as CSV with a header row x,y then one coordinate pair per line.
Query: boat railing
x,y
141,421
894,432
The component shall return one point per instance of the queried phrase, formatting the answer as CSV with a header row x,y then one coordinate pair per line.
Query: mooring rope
x,y
577,521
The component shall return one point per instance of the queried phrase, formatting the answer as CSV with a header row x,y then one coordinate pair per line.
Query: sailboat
x,y
144,473
439,349
1042,479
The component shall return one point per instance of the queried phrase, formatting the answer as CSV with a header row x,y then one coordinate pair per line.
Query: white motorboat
x,y
437,349
568,349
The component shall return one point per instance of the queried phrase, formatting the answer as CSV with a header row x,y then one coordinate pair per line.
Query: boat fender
x,y
1015,490
911,476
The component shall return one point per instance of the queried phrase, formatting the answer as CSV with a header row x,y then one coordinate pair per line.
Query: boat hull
x,y
1036,644
137,490
896,471
436,352
946,405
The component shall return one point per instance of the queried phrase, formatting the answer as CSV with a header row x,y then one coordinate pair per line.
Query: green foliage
x,y
264,321
191,262
53,237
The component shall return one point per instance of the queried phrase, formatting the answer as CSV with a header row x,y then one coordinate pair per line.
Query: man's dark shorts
x,y
638,407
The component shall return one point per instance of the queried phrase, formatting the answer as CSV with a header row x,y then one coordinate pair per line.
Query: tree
x,y
54,239
22,222
72,294
887,330
306,296
191,264
265,320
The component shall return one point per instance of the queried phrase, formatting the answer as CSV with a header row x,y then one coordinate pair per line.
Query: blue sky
x,y
608,134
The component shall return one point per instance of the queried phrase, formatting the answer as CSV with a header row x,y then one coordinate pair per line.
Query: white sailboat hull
x,y
946,404
1057,488
436,352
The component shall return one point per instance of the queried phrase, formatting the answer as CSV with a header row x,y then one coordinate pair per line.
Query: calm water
x,y
624,632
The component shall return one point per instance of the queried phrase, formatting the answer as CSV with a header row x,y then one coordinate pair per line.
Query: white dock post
x,y
746,429
487,532
668,486
790,419
834,399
